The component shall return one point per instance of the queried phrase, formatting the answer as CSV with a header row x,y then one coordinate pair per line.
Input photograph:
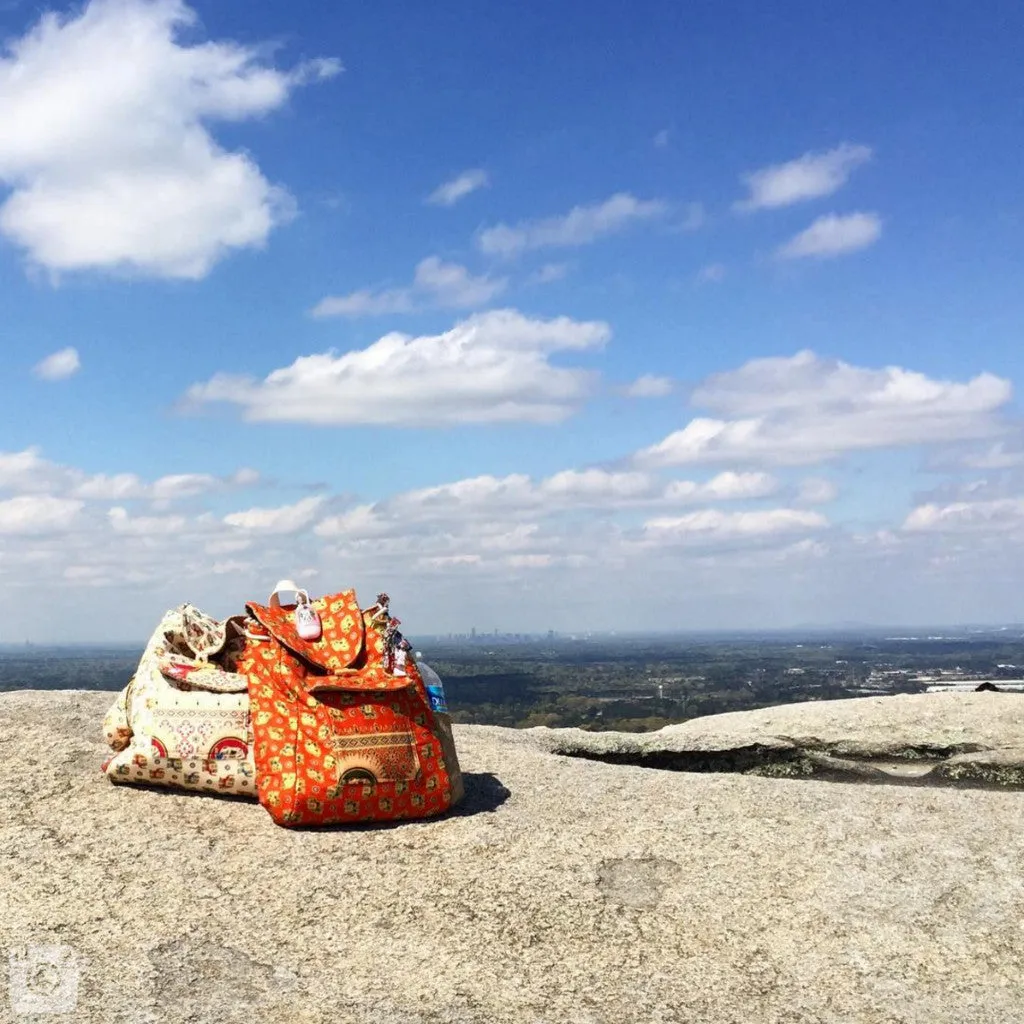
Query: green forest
x,y
625,683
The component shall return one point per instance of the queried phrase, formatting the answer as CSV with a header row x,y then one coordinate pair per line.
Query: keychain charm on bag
x,y
307,621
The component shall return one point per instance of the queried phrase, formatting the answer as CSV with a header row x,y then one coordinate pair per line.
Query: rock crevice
x,y
970,741
959,765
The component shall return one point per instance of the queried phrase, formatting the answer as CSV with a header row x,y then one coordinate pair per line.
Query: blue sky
x,y
539,316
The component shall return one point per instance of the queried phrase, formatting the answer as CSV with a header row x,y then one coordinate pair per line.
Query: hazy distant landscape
x,y
634,683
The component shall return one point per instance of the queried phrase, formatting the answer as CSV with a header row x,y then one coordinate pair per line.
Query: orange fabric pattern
x,y
341,643
337,737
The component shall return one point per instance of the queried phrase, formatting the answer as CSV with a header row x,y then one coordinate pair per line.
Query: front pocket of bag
x,y
368,740
200,725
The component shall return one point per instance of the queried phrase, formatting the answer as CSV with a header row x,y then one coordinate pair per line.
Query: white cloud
x,y
810,176
88,575
549,273
692,217
104,487
451,285
804,409
436,283
42,513
492,501
661,139
232,568
726,486
529,561
714,524
71,542
26,472
451,561
713,273
175,487
833,235
817,491
999,455
649,386
522,553
792,383
105,145
282,520
586,486
59,366
490,368
458,188
145,526
244,477
580,226
365,302
1002,514
488,498
124,486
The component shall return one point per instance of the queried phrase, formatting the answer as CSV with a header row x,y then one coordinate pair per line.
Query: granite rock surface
x,y
972,739
563,890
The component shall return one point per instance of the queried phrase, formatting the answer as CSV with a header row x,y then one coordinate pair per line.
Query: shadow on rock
x,y
484,792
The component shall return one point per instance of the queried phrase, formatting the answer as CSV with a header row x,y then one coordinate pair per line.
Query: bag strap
x,y
287,586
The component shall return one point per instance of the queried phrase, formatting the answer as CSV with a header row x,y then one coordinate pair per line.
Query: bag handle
x,y
286,586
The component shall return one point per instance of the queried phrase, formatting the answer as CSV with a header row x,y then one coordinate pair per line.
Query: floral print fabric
x,y
338,738
184,720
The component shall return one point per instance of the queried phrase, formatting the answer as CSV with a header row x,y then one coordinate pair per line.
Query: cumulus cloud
x,y
716,525
804,409
833,235
998,455
106,147
490,368
649,386
145,526
435,284
69,537
503,549
284,519
580,226
816,490
493,500
1002,514
449,193
789,384
27,472
810,176
42,513
726,486
571,521
58,366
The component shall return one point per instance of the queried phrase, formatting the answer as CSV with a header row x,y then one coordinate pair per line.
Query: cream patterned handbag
x,y
183,720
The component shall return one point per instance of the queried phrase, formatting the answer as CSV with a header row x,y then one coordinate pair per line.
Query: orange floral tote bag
x,y
343,727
